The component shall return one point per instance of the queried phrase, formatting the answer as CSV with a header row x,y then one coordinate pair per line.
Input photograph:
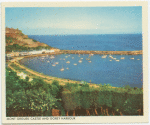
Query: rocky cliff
x,y
16,37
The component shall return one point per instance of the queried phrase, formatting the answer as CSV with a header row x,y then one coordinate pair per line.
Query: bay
x,y
116,72
127,71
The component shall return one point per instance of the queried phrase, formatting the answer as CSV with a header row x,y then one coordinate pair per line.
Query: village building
x,y
33,52
12,54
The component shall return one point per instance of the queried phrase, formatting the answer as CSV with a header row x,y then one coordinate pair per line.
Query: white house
x,y
22,75
35,52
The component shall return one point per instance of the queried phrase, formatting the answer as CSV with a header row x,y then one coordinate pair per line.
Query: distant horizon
x,y
85,34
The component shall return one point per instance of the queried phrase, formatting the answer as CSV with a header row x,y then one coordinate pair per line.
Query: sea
x,y
116,70
104,42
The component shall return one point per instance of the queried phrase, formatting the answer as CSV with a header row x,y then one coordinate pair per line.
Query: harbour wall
x,y
138,52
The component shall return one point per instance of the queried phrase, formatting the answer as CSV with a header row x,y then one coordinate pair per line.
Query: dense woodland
x,y
26,97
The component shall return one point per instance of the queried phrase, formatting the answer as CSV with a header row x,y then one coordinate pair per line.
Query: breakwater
x,y
138,52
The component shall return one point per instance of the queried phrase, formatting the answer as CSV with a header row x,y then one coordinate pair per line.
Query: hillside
x,y
17,41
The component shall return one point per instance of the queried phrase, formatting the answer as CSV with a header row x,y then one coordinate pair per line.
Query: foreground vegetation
x,y
34,97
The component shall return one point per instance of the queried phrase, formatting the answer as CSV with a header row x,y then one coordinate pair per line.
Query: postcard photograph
x,y
72,62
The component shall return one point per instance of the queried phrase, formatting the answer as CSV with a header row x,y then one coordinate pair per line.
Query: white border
x,y
145,89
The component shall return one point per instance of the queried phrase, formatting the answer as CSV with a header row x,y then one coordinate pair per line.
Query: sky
x,y
75,20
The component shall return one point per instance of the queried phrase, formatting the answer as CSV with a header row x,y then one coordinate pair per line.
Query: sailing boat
x,y
87,58
56,62
62,69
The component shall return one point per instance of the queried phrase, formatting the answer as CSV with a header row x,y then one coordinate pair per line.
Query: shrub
x,y
22,95
34,40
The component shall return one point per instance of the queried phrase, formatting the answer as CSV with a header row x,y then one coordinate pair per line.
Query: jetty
x,y
137,52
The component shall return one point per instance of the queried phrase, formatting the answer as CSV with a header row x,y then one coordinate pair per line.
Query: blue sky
x,y
75,20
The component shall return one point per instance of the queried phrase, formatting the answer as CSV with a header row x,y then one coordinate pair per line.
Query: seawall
x,y
138,52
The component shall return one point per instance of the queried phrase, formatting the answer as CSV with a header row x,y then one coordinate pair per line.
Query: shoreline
x,y
48,79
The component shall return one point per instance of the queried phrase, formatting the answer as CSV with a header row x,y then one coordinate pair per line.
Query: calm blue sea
x,y
127,71
100,70
118,42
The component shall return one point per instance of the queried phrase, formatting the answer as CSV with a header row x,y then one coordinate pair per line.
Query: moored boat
x,y
80,61
68,62
56,62
132,58
52,57
122,58
62,69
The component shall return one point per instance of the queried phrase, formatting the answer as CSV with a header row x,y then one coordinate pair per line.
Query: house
x,y
24,53
22,75
35,52
12,54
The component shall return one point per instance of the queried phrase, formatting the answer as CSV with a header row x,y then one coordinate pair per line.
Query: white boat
x,y
110,60
91,54
114,58
68,62
104,56
110,55
75,64
81,58
67,68
56,62
132,58
72,57
48,61
62,69
53,65
80,61
89,61
117,60
138,59
63,59
66,56
122,58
